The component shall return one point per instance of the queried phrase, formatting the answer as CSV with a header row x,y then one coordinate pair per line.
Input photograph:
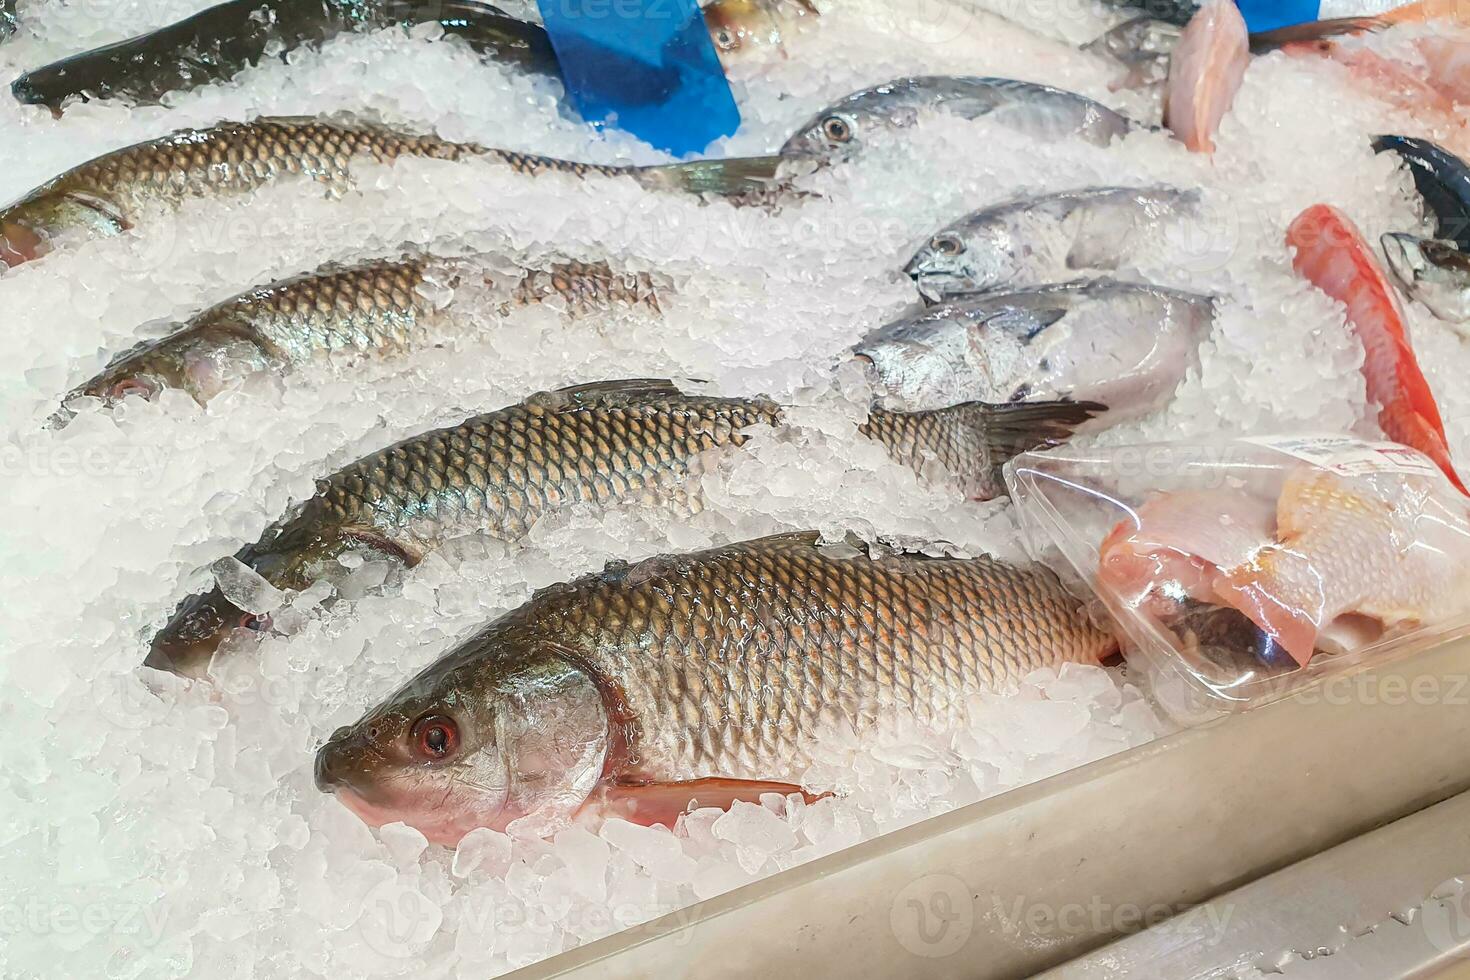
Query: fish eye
x,y
434,737
256,623
130,386
946,244
836,129
725,39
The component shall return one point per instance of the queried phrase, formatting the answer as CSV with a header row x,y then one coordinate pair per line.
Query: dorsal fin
x,y
603,392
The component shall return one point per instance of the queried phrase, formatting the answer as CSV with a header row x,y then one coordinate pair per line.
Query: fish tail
x,y
999,433
1313,31
486,28
734,177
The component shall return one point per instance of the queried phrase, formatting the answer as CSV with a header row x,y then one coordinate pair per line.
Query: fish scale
x,y
733,660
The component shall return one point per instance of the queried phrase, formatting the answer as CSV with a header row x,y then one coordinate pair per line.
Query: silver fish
x,y
1123,345
1434,272
1030,241
839,131
1142,46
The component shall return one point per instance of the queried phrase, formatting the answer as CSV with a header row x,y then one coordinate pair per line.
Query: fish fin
x,y
731,177
365,538
1242,589
1317,30
1028,323
1402,424
598,391
1001,432
650,802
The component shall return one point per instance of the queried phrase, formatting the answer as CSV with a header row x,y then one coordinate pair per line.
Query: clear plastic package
x,y
1242,570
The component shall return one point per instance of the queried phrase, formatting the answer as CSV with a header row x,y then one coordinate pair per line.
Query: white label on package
x,y
1348,455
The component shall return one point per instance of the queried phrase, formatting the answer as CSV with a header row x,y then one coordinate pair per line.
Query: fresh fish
x,y
1125,346
1142,46
113,192
381,307
1031,241
1442,179
1205,72
840,131
1436,273
8,23
220,41
1332,563
699,679
1332,255
496,474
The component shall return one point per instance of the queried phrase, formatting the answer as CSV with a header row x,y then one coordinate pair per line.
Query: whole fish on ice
x,y
694,680
1031,241
110,194
1333,563
220,41
381,307
1331,254
840,131
1126,346
496,474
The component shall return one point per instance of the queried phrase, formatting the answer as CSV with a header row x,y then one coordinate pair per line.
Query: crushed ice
x,y
154,829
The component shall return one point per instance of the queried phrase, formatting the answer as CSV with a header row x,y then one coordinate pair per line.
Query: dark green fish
x,y
496,474
695,680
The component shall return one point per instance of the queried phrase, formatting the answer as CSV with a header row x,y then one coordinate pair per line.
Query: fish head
x,y
921,362
199,362
1434,272
498,730
46,219
838,132
740,26
962,259
188,641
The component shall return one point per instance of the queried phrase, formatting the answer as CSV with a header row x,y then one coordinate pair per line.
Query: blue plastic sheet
x,y
645,66
1267,15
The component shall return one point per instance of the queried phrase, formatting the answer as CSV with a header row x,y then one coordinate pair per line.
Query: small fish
x,y
496,474
840,131
1125,346
111,193
1442,179
1142,46
1030,241
220,41
1331,254
698,679
1205,72
1436,273
1332,563
378,308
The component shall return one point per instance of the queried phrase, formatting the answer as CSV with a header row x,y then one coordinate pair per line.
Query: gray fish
x,y
840,131
1434,272
8,23
496,474
697,679
1170,11
1031,241
1126,346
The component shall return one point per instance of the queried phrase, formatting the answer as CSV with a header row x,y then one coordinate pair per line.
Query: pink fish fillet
x,y
1205,72
1344,561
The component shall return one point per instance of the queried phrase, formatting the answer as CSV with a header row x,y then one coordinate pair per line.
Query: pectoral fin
x,y
650,802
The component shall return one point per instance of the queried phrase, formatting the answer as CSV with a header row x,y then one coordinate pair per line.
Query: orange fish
x,y
1332,255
